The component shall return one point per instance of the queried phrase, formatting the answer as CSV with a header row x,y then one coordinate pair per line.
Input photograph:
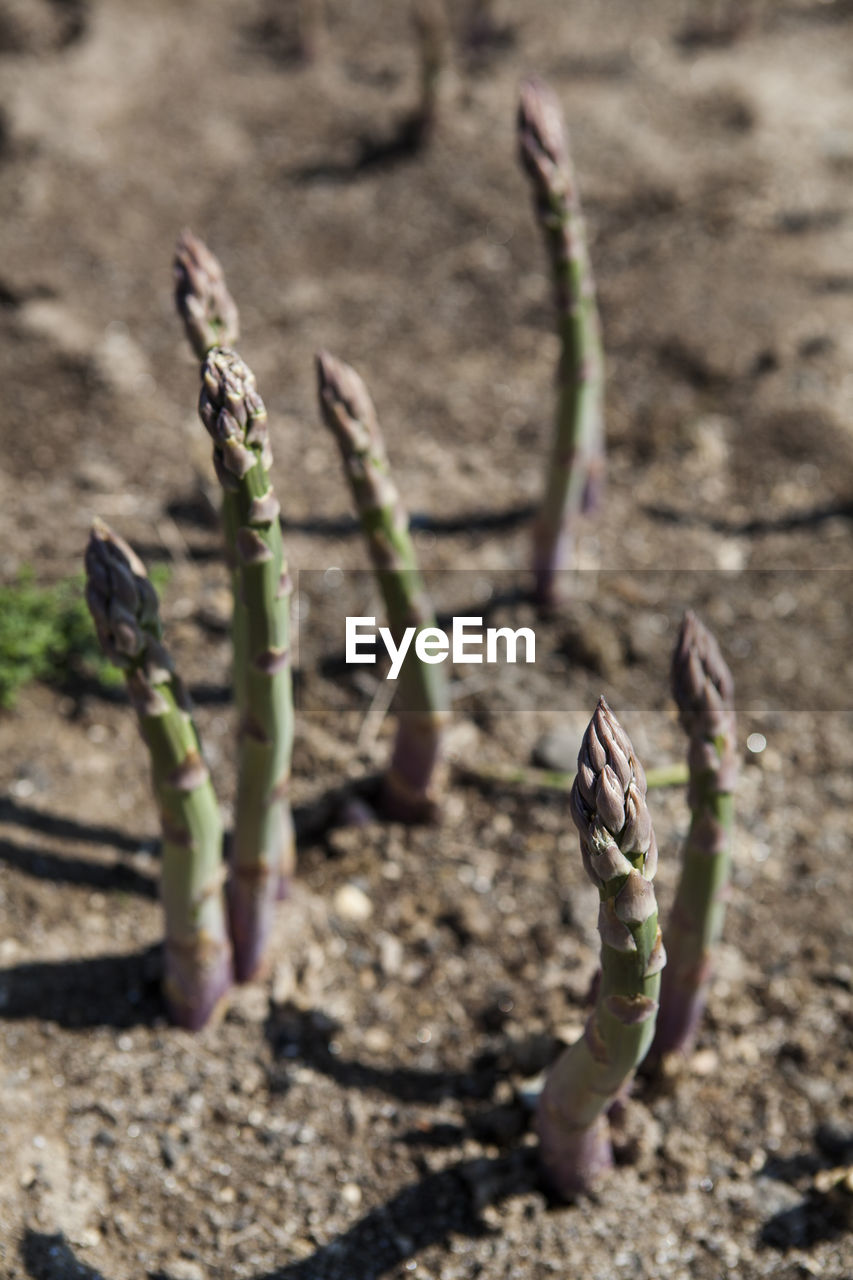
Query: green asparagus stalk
x,y
204,304
124,607
210,318
411,789
576,465
703,689
262,852
608,804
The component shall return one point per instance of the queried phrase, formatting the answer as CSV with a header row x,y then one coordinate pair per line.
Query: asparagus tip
x,y
541,132
342,393
202,298
697,660
121,599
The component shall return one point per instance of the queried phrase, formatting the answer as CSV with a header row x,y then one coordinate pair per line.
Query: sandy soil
x,y
356,1116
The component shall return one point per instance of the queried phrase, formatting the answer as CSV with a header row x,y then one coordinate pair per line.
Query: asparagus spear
x,y
576,464
210,318
608,804
125,610
703,688
411,787
262,855
204,304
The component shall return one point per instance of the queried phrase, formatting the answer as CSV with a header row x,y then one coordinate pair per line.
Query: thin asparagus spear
x,y
211,319
262,854
576,464
703,688
619,852
125,610
204,303
411,787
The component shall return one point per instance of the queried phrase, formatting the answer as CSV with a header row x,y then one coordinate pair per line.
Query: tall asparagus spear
x,y
703,688
608,803
262,854
411,787
576,464
124,607
211,319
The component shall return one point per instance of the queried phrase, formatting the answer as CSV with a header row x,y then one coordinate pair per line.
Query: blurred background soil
x,y
356,1115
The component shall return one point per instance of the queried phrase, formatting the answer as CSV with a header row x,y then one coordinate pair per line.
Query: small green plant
x,y
46,634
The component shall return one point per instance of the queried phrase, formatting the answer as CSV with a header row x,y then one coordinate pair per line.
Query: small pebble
x,y
184,1269
352,903
351,1194
377,1040
283,983
705,1062
390,954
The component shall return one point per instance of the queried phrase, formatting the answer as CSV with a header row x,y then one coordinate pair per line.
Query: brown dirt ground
x,y
356,1115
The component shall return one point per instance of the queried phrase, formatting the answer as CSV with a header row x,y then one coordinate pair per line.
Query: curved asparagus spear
x,y
262,855
619,850
124,607
576,464
703,688
411,789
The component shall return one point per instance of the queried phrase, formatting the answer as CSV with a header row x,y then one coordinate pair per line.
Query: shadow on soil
x,y
49,1257
406,142
441,526
59,869
118,991
826,1210
810,519
422,1214
307,1037
51,824
193,509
